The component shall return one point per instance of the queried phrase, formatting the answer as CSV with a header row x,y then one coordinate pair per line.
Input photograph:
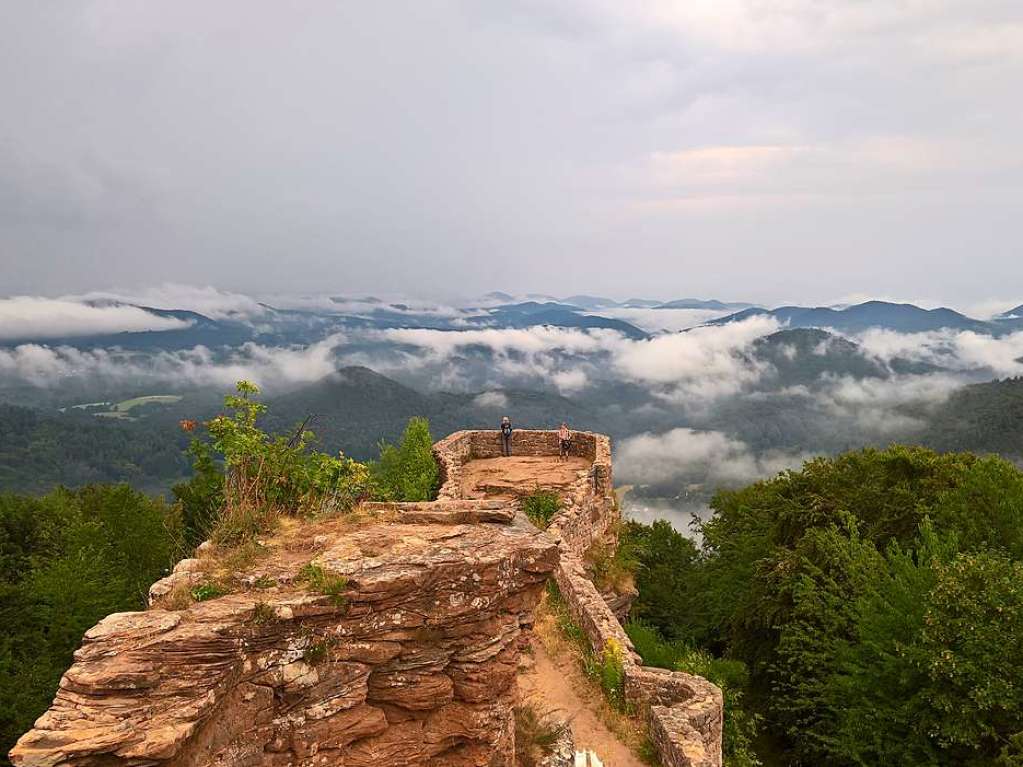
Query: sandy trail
x,y
519,475
555,683
558,685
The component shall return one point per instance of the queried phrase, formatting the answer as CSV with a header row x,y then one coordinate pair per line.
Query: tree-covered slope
x,y
39,451
986,417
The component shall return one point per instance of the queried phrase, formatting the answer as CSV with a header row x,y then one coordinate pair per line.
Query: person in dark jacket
x,y
506,434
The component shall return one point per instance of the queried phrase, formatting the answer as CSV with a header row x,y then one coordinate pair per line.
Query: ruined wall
x,y
685,712
415,665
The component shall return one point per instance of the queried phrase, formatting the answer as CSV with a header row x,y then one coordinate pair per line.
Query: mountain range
x,y
902,318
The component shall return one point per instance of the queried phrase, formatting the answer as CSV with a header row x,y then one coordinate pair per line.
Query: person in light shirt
x,y
564,441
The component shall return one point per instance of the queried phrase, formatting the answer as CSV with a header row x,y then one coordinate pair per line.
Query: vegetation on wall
x,y
541,506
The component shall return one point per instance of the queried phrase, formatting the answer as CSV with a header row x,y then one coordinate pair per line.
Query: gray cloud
x,y
524,145
23,317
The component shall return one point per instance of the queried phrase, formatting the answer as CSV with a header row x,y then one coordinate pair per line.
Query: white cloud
x,y
569,381
957,350
206,300
698,366
874,406
268,366
491,399
28,317
704,457
655,320
532,340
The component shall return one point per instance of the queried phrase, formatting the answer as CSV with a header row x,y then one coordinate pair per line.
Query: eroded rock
x,y
415,665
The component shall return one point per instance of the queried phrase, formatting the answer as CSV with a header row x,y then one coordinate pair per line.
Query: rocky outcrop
x,y
385,638
409,659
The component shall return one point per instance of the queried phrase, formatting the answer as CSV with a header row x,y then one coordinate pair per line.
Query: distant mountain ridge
x,y
904,318
303,326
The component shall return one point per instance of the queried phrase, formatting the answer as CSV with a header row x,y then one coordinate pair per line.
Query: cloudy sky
x,y
768,150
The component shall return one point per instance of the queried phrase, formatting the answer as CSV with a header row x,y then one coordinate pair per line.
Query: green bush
x,y
872,598
408,472
245,478
541,506
68,559
610,672
665,576
615,567
202,497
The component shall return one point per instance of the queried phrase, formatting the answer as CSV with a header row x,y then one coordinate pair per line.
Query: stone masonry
x,y
685,712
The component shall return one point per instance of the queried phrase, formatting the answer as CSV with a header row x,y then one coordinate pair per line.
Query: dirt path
x,y
519,475
558,685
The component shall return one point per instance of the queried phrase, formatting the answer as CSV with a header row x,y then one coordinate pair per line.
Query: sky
x,y
765,150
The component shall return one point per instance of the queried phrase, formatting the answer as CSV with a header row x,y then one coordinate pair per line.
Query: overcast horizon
x,y
792,153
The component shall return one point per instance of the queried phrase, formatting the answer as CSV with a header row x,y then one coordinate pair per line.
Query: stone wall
x,y
415,665
685,712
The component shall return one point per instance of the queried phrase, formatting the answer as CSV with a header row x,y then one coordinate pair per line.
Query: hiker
x,y
506,432
564,441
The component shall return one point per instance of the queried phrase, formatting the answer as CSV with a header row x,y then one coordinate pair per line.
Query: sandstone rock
x,y
416,666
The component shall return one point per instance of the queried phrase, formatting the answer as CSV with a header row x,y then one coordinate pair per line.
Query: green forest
x,y
865,610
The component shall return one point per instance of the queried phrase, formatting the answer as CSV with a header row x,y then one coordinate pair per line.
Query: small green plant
x,y
605,668
647,752
536,733
207,591
611,673
263,614
325,583
564,620
317,652
246,478
541,506
264,582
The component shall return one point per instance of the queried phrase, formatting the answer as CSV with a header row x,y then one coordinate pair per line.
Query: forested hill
x,y
985,418
351,410
354,408
39,451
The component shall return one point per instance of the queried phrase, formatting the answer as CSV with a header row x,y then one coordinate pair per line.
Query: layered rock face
x,y
409,661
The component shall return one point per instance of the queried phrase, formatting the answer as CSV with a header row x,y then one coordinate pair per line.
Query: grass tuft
x,y
206,591
263,614
541,507
325,583
536,733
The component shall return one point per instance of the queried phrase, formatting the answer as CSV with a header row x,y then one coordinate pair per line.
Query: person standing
x,y
506,435
564,441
